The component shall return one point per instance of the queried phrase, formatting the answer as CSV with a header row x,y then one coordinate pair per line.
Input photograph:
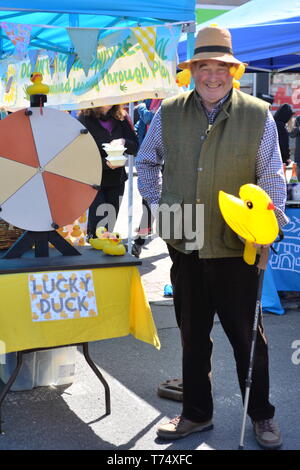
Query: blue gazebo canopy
x,y
265,34
50,22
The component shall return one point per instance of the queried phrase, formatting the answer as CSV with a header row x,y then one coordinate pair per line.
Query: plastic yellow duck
x,y
183,78
112,245
38,88
237,71
115,250
252,217
102,234
236,84
108,242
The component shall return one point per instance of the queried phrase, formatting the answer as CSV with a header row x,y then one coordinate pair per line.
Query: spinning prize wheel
x,y
50,169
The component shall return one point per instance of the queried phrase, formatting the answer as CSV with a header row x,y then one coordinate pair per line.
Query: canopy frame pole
x,y
189,29
130,186
74,20
1,43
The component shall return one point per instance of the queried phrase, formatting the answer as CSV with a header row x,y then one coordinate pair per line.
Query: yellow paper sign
x,y
62,295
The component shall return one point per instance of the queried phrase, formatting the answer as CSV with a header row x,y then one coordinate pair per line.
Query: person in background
x,y
107,124
3,113
282,117
210,139
146,112
295,134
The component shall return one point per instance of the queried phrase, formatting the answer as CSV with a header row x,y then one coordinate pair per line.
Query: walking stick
x,y
263,261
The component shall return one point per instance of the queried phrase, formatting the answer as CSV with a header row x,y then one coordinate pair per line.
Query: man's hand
x,y
262,246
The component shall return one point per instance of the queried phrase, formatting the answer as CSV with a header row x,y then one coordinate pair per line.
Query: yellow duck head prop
x,y
38,88
252,217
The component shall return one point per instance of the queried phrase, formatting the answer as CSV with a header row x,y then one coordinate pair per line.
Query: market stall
x,y
91,54
67,298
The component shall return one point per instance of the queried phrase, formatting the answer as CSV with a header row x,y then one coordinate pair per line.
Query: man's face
x,y
212,80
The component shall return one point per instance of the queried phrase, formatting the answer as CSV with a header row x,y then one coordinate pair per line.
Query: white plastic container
x,y
40,368
117,161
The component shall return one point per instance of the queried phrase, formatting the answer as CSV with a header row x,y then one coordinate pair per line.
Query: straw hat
x,y
214,43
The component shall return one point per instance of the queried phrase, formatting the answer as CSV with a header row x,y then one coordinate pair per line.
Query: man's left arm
x,y
269,169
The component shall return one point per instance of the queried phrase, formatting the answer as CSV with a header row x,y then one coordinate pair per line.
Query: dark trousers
x,y
226,286
111,196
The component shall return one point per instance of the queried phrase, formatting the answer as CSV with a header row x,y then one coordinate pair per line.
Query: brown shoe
x,y
267,433
180,427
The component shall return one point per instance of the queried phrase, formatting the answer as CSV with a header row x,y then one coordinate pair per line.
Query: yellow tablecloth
x,y
122,309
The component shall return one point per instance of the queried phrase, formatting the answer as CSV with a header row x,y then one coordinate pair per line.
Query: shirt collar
x,y
217,107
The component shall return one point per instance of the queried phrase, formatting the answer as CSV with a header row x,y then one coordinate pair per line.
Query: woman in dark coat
x,y
106,124
281,117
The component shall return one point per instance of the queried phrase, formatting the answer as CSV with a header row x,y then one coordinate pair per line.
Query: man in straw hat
x,y
212,138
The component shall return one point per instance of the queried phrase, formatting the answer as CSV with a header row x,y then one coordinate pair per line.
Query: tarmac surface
x,y
72,417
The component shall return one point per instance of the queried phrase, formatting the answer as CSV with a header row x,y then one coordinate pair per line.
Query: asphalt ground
x,y
72,417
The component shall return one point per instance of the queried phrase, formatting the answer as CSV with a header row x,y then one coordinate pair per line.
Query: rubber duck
x,y
237,71
97,243
252,217
183,78
113,249
38,88
102,234
113,245
236,84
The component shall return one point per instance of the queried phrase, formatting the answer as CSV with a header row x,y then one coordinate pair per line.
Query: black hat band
x,y
224,49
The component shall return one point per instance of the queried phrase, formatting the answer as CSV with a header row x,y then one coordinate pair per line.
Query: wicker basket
x,y
8,234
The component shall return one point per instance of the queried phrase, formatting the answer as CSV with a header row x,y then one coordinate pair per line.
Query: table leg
x,y
99,375
9,383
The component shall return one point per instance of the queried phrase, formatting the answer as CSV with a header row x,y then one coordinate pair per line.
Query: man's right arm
x,y
149,161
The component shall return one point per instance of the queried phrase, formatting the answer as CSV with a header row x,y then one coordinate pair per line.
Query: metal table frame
x,y
85,349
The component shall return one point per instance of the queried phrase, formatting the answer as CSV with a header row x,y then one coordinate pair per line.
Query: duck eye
x,y
249,204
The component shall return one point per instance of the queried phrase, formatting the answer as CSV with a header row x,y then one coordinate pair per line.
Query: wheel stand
x,y
40,241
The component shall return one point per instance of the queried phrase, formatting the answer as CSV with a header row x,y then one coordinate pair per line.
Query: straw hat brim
x,y
230,59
